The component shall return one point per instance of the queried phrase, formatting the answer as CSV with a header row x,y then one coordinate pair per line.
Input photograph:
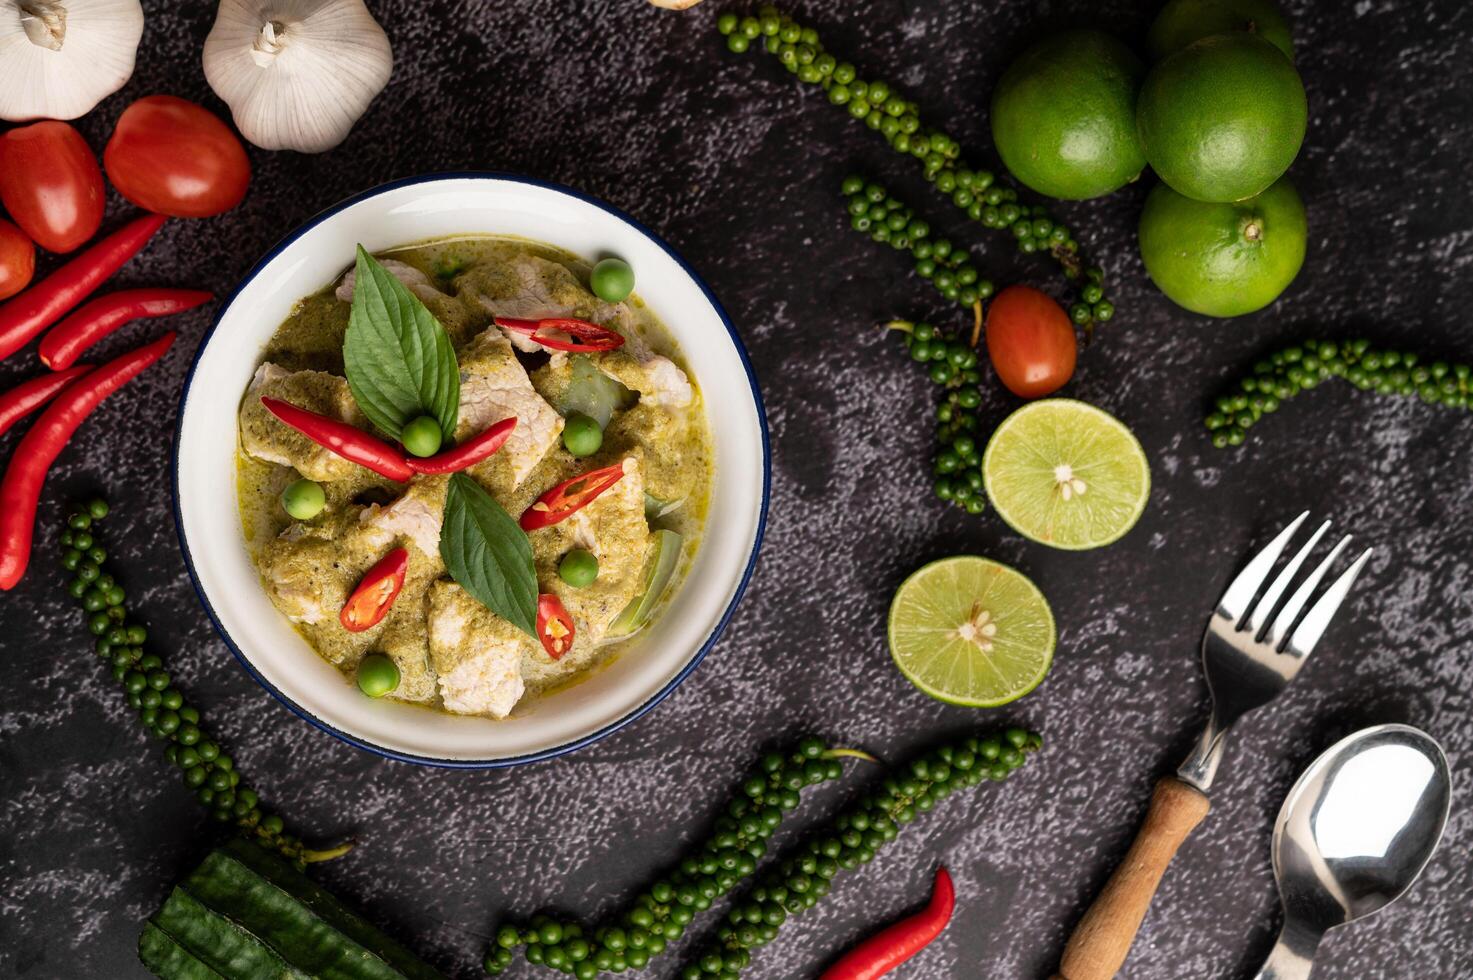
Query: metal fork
x,y
1249,655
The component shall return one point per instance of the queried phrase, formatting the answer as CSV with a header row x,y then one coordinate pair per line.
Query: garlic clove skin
x,y
59,58
297,74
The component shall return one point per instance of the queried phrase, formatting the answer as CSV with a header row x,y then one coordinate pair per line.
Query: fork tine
x,y
1285,619
1239,595
1308,633
1275,591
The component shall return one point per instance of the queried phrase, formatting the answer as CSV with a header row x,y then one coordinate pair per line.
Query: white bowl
x,y
438,206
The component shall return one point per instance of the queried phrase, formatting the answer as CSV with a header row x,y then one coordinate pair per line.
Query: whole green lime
x,y
1223,259
1222,118
1181,22
1063,115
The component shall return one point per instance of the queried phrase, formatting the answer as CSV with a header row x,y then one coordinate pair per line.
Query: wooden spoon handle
x,y
1103,937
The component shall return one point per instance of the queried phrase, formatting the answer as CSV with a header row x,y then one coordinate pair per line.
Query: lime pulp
x,y
1066,474
971,631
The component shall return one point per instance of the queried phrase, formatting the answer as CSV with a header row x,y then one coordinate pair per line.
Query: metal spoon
x,y
1353,834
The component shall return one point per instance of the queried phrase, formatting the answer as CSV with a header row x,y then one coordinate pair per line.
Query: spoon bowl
x,y
1353,834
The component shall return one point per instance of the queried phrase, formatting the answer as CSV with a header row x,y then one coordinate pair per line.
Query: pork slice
x,y
477,655
614,529
416,515
310,568
495,386
266,437
417,282
658,380
533,288
301,579
404,642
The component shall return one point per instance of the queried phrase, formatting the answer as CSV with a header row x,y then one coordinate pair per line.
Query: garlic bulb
x,y
296,74
59,58
675,4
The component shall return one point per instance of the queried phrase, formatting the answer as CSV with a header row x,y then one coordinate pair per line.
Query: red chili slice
x,y
339,437
554,626
549,332
370,602
468,453
569,497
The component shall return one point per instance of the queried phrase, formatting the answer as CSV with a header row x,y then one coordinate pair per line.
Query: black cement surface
x,y
725,157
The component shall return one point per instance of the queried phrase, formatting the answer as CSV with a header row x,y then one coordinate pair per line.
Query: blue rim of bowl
x,y
658,696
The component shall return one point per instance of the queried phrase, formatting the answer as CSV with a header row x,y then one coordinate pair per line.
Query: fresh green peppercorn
x,y
377,676
579,568
1300,367
304,499
612,280
582,435
422,436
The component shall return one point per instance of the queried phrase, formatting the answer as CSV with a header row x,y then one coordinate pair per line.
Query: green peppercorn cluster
x,y
207,770
797,881
1299,367
660,914
887,220
952,364
876,104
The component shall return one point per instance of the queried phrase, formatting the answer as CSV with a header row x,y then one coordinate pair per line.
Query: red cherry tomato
x,y
554,626
173,157
51,185
1030,341
17,260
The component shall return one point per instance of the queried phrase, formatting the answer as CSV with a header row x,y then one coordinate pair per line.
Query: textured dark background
x,y
739,170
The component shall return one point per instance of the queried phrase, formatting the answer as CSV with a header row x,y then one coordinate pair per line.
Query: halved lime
x,y
1066,474
971,631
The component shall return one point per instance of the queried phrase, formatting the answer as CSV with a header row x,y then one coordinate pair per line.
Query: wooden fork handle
x,y
1103,937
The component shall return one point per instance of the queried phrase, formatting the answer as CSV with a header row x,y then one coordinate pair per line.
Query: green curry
x,y
451,652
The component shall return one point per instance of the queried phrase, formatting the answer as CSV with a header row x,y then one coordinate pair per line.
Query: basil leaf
x,y
399,360
489,554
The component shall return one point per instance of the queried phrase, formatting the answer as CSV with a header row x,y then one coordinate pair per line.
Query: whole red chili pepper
x,y
40,306
569,497
468,453
28,396
339,437
590,337
892,946
97,318
20,490
554,626
376,592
